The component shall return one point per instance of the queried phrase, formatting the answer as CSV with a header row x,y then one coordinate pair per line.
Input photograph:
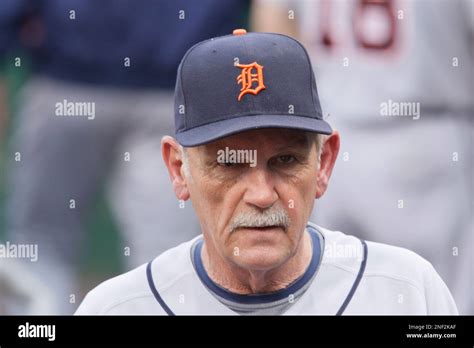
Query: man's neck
x,y
243,281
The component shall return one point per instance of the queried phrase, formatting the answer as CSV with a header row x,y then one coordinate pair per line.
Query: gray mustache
x,y
274,216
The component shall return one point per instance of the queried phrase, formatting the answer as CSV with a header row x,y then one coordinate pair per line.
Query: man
x,y
249,153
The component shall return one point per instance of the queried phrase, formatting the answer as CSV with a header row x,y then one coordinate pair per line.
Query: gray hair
x,y
319,139
185,160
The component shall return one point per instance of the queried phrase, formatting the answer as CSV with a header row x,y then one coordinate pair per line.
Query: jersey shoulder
x,y
130,292
397,266
116,294
388,267
383,260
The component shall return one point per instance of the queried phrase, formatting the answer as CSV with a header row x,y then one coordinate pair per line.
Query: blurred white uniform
x,y
399,180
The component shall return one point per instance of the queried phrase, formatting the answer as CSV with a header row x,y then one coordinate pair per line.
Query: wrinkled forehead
x,y
269,139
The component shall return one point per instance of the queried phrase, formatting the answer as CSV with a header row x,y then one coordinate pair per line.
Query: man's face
x,y
254,214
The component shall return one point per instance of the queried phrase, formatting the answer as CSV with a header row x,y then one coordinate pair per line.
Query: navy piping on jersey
x,y
260,298
266,297
356,282
155,291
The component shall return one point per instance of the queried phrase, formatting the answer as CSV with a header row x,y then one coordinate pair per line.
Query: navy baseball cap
x,y
244,81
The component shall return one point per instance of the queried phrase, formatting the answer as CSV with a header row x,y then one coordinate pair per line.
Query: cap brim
x,y
213,131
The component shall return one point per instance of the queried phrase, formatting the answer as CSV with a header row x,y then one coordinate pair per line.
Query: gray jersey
x,y
353,277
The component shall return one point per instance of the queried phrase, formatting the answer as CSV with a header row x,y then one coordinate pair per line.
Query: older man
x,y
252,152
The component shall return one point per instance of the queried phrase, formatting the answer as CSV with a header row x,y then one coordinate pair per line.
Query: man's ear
x,y
170,149
328,159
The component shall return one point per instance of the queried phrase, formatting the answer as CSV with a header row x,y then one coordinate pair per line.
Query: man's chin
x,y
260,248
260,256
260,262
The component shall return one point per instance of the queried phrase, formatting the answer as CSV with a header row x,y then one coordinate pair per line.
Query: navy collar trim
x,y
266,297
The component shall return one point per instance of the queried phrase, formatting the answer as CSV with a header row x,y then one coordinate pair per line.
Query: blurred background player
x,y
19,289
367,54
120,58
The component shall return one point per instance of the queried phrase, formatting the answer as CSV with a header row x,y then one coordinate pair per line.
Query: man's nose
x,y
260,190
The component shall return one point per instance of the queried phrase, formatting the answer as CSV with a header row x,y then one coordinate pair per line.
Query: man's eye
x,y
286,159
225,164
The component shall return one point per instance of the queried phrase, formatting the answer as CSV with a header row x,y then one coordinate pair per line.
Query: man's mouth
x,y
263,228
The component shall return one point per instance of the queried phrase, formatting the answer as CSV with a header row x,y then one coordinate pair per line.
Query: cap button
x,y
239,32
